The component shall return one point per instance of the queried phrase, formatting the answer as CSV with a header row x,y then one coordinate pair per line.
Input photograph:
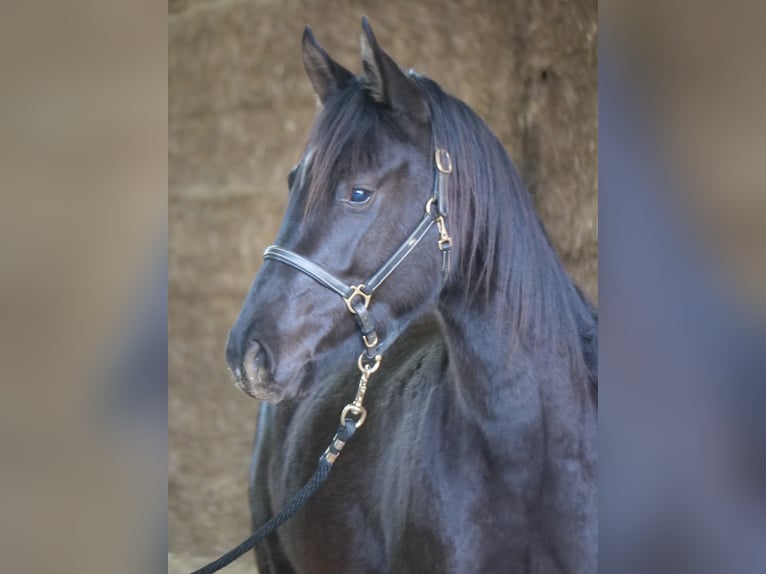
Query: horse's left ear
x,y
326,74
388,84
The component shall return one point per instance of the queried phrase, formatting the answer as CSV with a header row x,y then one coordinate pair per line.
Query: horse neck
x,y
497,358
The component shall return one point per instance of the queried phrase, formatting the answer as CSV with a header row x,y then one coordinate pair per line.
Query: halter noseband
x,y
357,297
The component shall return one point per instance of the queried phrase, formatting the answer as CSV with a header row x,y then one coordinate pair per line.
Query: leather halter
x,y
358,297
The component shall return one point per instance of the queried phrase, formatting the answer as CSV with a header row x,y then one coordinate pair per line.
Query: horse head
x,y
364,183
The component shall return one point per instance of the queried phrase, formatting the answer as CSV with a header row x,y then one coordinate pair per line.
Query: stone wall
x,y
240,107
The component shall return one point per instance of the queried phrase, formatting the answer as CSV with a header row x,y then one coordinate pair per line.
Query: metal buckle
x,y
357,290
444,238
443,160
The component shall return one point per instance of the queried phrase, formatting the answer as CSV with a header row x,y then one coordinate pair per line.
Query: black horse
x,y
479,452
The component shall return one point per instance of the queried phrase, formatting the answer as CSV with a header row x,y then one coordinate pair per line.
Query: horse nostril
x,y
256,356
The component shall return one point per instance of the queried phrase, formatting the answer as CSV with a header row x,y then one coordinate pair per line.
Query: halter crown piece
x,y
358,297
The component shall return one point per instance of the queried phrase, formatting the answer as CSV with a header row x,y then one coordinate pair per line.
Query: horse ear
x,y
326,74
388,84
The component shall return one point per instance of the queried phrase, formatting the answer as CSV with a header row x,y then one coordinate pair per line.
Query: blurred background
x,y
682,279
83,212
84,157
240,107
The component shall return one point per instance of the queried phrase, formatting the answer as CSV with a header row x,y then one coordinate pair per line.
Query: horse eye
x,y
359,195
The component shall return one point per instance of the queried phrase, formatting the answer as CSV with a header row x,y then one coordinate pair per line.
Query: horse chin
x,y
266,394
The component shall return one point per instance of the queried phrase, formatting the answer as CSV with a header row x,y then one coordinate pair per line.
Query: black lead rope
x,y
344,433
357,299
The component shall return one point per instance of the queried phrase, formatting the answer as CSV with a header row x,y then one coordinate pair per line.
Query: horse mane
x,y
502,250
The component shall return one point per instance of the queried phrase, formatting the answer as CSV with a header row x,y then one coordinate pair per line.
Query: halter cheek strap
x,y
358,297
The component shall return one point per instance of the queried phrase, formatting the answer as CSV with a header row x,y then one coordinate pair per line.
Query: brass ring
x,y
370,344
361,412
440,156
368,370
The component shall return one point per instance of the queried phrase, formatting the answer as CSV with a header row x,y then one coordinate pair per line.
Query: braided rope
x,y
344,433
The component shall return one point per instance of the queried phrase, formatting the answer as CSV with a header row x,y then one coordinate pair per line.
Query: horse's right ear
x,y
387,83
326,74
